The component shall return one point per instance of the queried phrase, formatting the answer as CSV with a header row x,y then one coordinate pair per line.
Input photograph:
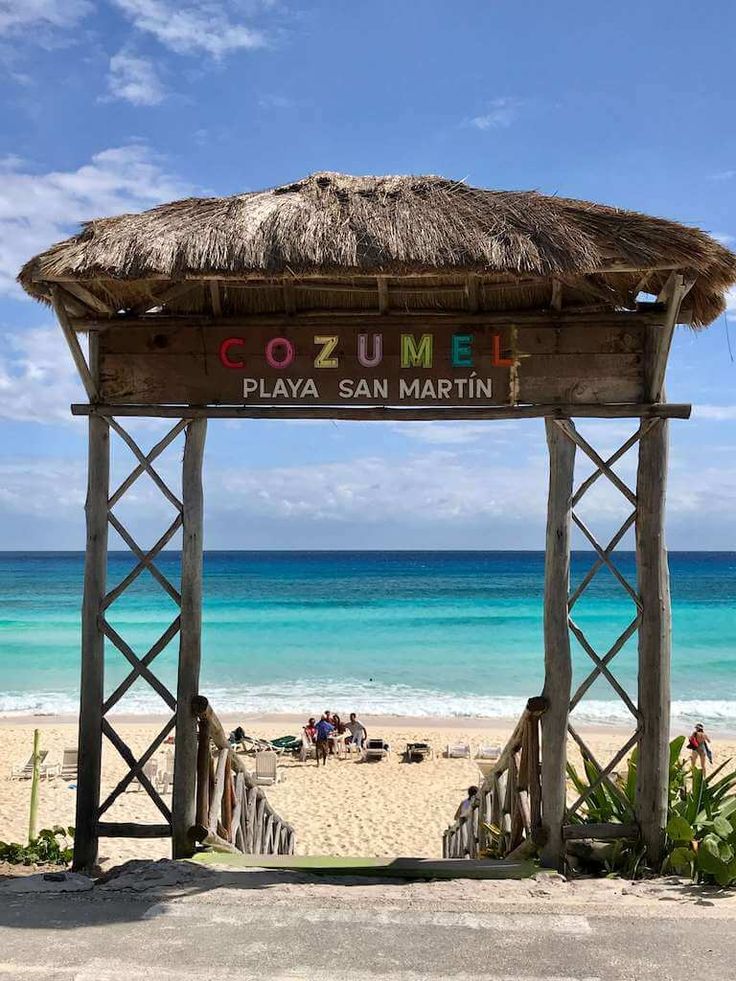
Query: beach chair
x,y
375,749
488,753
69,764
417,752
24,771
164,779
307,750
458,751
267,771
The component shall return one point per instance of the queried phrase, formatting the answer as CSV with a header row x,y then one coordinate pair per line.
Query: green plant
x,y
701,830
53,846
701,825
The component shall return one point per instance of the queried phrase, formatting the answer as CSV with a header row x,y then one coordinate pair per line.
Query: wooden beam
x,y
675,290
175,292
670,410
88,298
655,638
190,646
591,318
287,288
90,385
383,298
92,684
215,298
557,658
129,829
472,298
608,831
556,298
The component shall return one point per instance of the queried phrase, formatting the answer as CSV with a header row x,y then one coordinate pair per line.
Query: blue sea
x,y
402,633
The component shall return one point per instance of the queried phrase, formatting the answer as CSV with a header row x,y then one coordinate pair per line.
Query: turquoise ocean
x,y
400,633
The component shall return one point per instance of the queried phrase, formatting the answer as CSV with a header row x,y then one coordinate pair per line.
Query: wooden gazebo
x,y
381,298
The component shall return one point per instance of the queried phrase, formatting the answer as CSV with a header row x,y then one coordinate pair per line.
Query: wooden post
x,y
557,660
183,808
93,646
654,641
36,776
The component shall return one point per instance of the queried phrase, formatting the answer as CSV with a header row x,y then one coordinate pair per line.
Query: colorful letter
x,y
462,356
224,352
286,346
373,360
415,355
324,359
496,360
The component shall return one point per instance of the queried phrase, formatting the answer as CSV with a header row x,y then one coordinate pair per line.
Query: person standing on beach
x,y
322,742
698,743
358,732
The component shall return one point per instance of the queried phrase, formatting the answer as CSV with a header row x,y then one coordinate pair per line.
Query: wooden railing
x,y
233,814
507,810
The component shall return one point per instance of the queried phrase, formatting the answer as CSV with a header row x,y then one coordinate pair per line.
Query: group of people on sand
x,y
321,733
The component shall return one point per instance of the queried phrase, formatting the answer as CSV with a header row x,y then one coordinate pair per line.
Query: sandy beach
x,y
346,808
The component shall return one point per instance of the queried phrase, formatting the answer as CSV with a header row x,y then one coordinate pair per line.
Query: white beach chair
x,y
267,771
308,750
24,771
458,751
376,749
69,764
418,752
488,753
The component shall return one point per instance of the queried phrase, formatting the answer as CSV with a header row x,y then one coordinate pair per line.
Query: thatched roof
x,y
329,227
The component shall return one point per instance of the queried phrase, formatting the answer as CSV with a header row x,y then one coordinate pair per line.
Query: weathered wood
x,y
166,637
676,289
203,772
136,768
219,844
227,805
599,832
88,298
147,460
533,776
88,373
655,635
561,410
135,772
591,316
557,658
92,687
190,645
215,808
604,772
130,829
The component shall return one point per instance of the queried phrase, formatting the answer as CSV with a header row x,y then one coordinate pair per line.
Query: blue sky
x,y
119,104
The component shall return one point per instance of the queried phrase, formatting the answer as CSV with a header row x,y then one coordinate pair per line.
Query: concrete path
x,y
176,921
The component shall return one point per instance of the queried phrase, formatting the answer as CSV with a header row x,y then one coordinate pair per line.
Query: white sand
x,y
346,808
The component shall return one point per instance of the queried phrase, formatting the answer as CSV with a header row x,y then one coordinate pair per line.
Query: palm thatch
x,y
330,228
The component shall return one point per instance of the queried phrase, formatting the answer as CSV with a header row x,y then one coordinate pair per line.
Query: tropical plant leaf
x,y
679,829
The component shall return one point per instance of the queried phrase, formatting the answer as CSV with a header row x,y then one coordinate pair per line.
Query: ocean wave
x,y
310,697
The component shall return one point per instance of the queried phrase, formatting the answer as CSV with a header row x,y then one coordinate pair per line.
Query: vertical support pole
x,y
93,644
557,659
184,802
654,640
35,778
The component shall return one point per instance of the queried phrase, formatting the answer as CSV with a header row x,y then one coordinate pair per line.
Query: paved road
x,y
270,934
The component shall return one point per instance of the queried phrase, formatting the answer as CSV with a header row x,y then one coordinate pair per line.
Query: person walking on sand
x,y
322,742
698,744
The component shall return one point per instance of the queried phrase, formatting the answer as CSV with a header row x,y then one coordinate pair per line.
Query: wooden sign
x,y
306,365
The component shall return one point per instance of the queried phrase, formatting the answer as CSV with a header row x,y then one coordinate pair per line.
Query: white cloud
x,y
449,433
722,175
37,210
38,380
135,80
716,413
33,16
191,28
501,113
724,238
731,299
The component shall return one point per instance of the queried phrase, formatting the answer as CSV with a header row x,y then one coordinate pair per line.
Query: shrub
x,y
52,847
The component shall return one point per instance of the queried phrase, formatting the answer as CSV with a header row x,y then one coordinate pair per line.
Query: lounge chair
x,y
287,744
458,751
267,771
24,771
416,752
69,764
375,749
307,748
488,753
